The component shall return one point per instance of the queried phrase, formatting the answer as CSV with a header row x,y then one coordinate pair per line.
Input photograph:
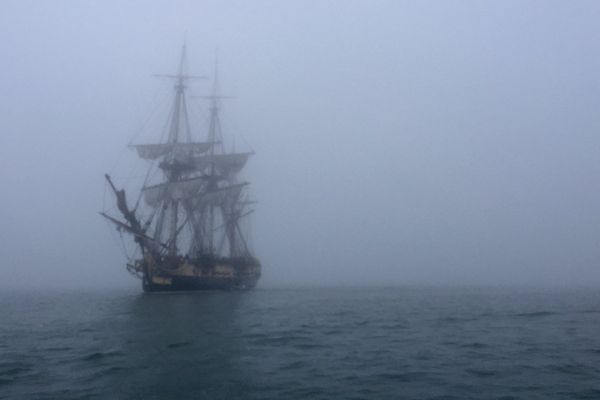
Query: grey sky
x,y
396,142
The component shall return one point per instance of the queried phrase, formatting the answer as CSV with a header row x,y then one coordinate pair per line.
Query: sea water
x,y
350,343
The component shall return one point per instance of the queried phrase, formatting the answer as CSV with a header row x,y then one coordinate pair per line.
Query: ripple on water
x,y
177,345
102,355
8,369
474,345
535,314
481,373
401,376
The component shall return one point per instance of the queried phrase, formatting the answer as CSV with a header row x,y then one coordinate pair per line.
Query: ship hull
x,y
182,274
179,284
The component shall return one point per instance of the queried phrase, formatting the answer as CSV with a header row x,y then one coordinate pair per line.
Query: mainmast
x,y
214,136
172,165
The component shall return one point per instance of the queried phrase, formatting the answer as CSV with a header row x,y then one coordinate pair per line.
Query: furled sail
x,y
225,164
178,150
178,190
220,196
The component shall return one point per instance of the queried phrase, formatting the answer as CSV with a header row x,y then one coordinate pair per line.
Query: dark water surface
x,y
402,343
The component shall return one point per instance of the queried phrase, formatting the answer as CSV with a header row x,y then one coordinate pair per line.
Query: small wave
x,y
101,355
449,342
572,369
401,376
343,313
268,340
590,311
456,319
474,345
10,372
113,370
309,346
5,381
536,314
591,394
254,336
178,344
61,349
481,373
294,365
487,314
395,326
10,369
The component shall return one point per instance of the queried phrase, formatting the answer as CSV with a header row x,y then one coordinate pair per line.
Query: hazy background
x,y
422,142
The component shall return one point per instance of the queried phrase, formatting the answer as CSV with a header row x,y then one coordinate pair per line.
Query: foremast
x,y
171,165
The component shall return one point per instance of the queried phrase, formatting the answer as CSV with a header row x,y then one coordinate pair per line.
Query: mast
x,y
174,138
212,137
171,163
232,208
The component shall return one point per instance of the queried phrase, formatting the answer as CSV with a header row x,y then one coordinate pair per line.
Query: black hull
x,y
182,274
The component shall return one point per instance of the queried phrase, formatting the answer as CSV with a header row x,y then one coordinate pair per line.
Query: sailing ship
x,y
187,229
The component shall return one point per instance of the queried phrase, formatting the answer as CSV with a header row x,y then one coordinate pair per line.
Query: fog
x,y
397,143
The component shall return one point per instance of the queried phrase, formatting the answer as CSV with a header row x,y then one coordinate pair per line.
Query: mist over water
x,y
427,182
396,142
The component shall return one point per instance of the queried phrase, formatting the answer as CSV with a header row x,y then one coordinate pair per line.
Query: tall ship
x,y
187,225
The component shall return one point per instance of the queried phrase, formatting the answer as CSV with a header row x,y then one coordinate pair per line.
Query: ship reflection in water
x,y
186,345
